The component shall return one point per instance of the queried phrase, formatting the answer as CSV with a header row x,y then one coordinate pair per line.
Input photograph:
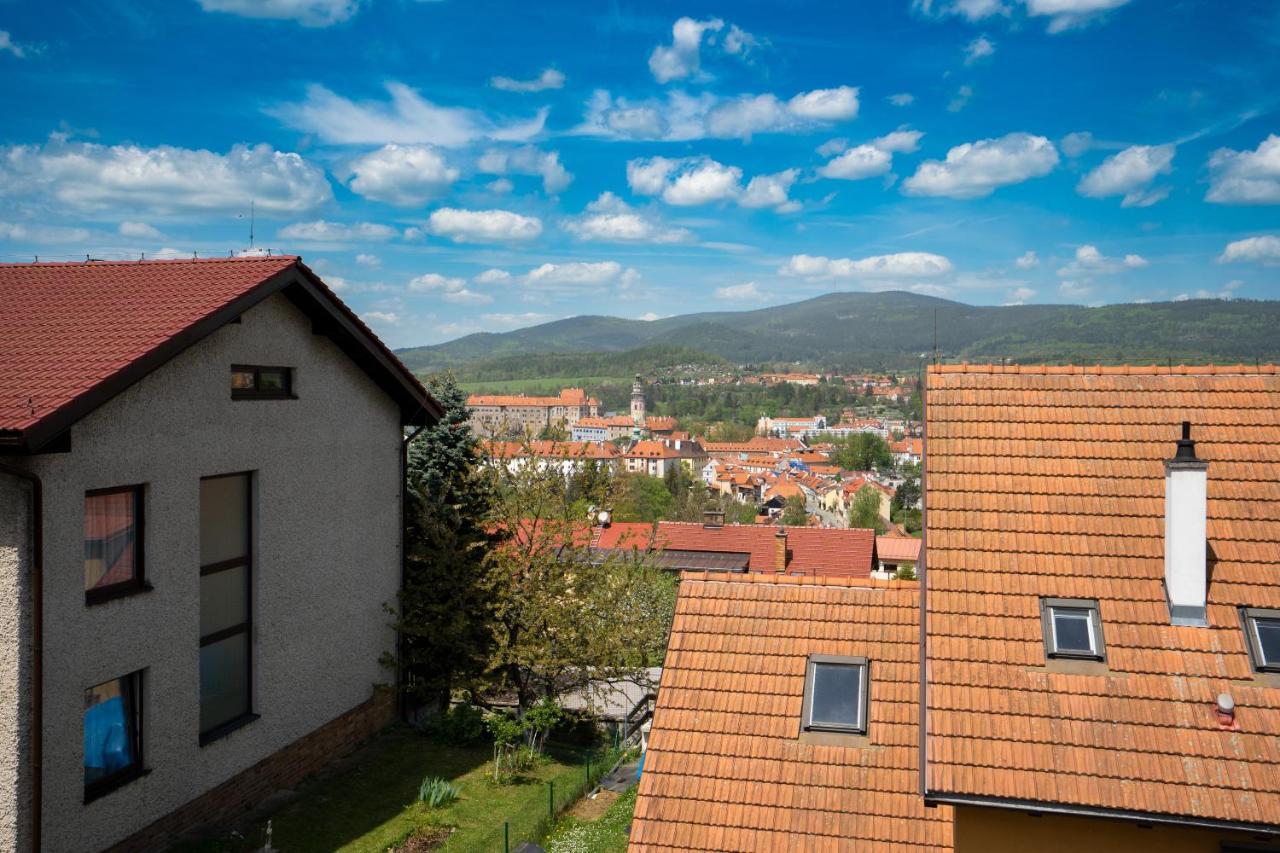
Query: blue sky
x,y
454,167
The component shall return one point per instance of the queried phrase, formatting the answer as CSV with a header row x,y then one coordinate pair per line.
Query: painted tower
x,y
637,408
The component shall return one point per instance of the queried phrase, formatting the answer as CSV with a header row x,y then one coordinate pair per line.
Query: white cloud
x,y
1074,289
19,51
480,226
365,259
578,273
610,219
502,186
404,175
45,234
648,317
873,158
704,182
1018,295
682,58
88,177
550,78
978,49
321,231
1130,174
902,99
1090,261
1246,177
1066,15
972,10
1075,144
747,292
336,283
407,119
139,230
1027,260
770,190
1228,291
832,146
450,288
527,160
512,321
692,181
466,297
309,13
683,117
649,177
961,99
976,169
900,265
389,318
1264,249
493,276
739,42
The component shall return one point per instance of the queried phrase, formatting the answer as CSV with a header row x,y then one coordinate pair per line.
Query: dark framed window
x,y
259,382
113,543
112,735
835,694
1072,628
226,604
1262,635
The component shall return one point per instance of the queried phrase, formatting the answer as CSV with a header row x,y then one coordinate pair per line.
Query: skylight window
x,y
1072,628
835,694
1262,633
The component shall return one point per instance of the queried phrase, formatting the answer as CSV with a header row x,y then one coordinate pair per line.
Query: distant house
x,y
907,451
517,414
895,552
657,457
567,456
200,480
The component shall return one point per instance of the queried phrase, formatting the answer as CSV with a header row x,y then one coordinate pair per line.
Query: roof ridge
x,y
781,579
137,261
1109,369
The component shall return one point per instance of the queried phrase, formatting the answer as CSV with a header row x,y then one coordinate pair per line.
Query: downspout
x,y
37,643
402,699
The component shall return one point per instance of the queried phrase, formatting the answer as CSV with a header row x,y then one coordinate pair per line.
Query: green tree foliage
x,y
865,511
554,432
862,451
642,498
794,513
909,491
905,572
444,606
730,431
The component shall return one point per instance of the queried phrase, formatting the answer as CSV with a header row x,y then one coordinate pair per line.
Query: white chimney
x,y
1186,579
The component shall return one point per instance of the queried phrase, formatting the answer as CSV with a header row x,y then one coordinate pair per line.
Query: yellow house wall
x,y
988,830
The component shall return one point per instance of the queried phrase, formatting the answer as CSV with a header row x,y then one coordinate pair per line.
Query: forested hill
x,y
893,328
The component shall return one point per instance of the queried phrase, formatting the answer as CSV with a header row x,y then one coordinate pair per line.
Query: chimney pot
x,y
780,550
1226,708
1185,542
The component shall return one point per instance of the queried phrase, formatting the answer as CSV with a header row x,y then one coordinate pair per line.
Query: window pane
x,y
224,600
108,729
1071,630
224,681
224,519
836,695
273,381
242,380
1268,632
110,539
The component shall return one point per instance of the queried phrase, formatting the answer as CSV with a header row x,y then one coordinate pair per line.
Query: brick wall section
x,y
283,769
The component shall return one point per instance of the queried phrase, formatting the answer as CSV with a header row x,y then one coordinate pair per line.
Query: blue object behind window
x,y
108,746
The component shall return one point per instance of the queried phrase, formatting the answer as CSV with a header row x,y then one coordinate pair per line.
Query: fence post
x,y
551,800
506,837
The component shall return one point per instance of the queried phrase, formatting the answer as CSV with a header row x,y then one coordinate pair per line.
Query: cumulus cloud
x,y
703,182
769,190
404,175
1089,261
1027,260
579,273
407,119
550,78
609,219
690,181
977,169
872,158
365,259
483,226
1019,295
139,230
493,276
1264,249
747,292
87,177
19,232
449,288
389,318
900,265
971,10
979,48
19,51
1130,174
527,160
309,13
1246,177
683,117
682,58
902,99
321,231
1074,289
1066,15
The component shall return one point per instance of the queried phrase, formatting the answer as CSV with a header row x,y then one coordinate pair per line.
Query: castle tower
x,y
637,406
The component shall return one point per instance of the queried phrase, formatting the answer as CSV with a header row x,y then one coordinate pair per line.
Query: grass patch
x,y
372,804
608,834
550,385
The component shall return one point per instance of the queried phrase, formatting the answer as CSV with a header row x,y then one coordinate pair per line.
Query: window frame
x,y
1248,617
208,736
256,393
137,768
1090,605
137,583
806,711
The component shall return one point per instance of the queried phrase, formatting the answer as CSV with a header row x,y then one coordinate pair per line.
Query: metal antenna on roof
x,y
251,222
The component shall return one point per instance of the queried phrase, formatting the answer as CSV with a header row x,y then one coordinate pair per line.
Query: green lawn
x,y
550,385
370,805
606,834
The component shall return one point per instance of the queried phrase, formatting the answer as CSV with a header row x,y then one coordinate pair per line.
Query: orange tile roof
x,y
726,769
567,397
898,548
1049,482
553,449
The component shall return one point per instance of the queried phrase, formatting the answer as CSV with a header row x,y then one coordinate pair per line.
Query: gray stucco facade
x,y
326,528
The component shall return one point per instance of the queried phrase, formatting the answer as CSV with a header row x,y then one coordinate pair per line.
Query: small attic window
x,y
1072,628
835,694
1262,634
258,382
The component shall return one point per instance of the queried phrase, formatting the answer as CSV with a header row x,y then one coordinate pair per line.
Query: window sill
x,y
225,729
111,593
818,737
1074,666
99,789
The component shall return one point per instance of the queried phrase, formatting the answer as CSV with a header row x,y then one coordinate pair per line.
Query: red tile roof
x,y
68,328
1049,482
726,767
895,549
541,448
566,397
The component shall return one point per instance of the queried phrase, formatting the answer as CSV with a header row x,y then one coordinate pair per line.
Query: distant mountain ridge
x,y
894,328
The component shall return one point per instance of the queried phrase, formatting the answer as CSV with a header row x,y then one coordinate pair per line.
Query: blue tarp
x,y
106,739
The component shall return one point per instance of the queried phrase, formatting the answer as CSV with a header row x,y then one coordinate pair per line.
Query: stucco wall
x,y
987,830
15,662
326,553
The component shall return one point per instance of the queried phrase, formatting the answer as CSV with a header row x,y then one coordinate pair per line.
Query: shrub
x,y
461,724
438,793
